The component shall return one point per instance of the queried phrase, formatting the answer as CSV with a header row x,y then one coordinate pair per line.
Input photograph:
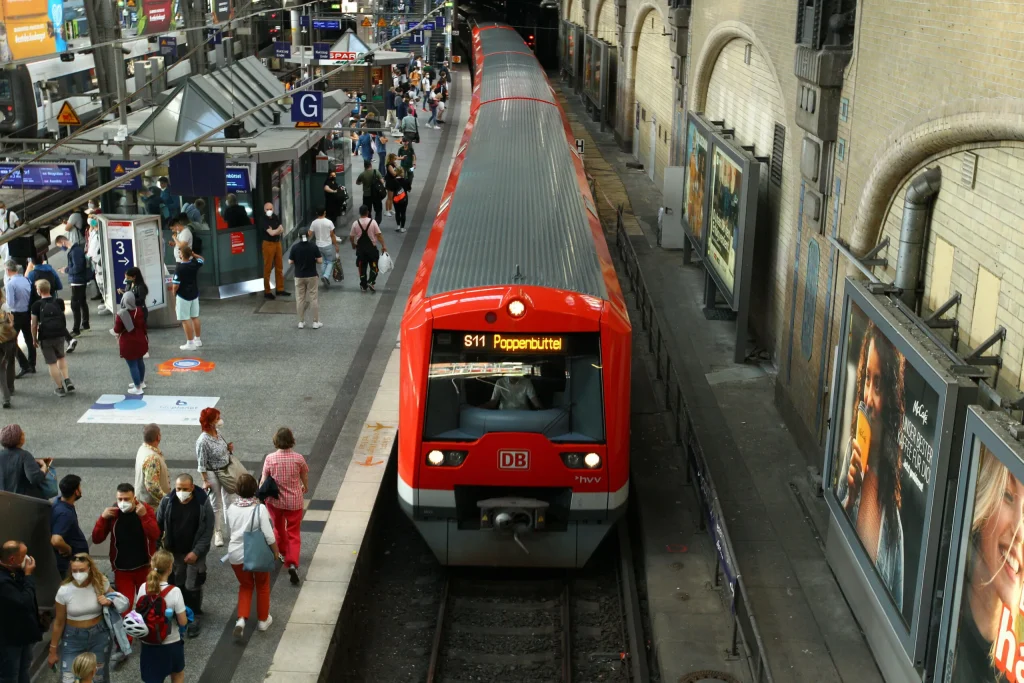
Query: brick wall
x,y
574,12
982,228
747,98
653,84
604,27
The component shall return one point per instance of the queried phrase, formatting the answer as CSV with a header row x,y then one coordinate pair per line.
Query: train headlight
x,y
592,460
516,308
455,458
572,460
435,458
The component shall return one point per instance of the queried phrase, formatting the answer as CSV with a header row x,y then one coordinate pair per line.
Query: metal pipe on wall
x,y
917,204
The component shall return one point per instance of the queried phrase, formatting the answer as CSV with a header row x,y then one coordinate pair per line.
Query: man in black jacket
x,y
19,627
186,522
234,213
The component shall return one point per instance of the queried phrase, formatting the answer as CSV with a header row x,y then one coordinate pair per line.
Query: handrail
x,y
744,623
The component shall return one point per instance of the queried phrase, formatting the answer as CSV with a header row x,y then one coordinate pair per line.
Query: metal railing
x,y
698,474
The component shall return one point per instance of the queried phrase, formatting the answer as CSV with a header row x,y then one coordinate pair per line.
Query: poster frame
x,y
954,393
991,428
705,128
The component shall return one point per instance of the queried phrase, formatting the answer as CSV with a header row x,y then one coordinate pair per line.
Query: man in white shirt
x,y
513,393
182,237
327,242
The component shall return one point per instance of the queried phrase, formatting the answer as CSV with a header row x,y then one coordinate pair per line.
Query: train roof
x,y
499,38
510,74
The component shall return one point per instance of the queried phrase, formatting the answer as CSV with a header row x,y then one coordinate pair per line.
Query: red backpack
x,y
152,609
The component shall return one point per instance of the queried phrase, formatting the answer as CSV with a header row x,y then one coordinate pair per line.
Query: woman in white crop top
x,y
79,626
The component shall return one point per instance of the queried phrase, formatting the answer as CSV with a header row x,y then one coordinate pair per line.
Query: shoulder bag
x,y
228,476
256,553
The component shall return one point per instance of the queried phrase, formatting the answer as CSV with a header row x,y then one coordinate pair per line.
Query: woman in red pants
x,y
246,514
290,471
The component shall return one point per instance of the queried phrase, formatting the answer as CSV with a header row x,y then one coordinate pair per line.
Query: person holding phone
x,y
869,485
19,629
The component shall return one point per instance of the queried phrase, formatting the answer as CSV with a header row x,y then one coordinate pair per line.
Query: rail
x,y
744,623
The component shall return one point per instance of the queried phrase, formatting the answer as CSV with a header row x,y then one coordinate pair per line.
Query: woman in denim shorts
x,y
79,626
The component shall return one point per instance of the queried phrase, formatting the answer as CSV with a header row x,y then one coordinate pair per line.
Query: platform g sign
x,y
308,109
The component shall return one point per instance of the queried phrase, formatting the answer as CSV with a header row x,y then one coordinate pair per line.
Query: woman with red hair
x,y
213,453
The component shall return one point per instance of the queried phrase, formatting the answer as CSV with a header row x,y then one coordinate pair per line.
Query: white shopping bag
x,y
384,264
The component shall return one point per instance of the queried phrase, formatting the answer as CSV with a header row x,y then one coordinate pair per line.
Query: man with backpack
x,y
365,238
49,328
186,521
374,191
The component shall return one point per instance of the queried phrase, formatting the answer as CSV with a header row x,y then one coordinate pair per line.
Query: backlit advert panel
x,y
987,620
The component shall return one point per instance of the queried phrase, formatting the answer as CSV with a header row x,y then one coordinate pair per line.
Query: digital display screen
x,y
514,343
237,180
327,24
40,177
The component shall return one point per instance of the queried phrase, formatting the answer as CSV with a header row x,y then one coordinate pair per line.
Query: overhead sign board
x,y
157,16
68,116
308,108
120,167
223,10
282,49
41,177
344,56
237,179
426,26
215,36
321,51
327,24
169,47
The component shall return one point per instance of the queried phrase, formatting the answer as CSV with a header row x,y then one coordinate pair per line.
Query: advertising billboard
x,y
724,217
983,623
697,171
895,408
31,28
223,10
157,16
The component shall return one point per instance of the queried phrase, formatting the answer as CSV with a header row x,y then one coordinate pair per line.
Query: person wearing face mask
x,y
273,257
132,342
93,244
66,535
19,629
186,522
133,531
332,196
20,249
78,273
213,453
78,625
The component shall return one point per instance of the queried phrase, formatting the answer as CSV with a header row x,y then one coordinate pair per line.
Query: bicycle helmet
x,y
134,625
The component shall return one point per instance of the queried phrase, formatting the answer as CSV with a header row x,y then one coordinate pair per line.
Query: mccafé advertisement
x,y
156,16
897,413
986,616
31,28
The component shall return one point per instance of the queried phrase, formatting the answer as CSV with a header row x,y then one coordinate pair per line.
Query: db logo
x,y
514,460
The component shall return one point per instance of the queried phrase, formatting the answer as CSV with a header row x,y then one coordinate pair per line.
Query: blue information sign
x,y
439,22
40,177
321,50
304,20
122,251
238,180
417,37
282,49
327,24
120,167
308,107
214,36
427,26
169,46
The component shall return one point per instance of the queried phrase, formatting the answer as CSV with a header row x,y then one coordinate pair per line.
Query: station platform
x,y
767,488
335,387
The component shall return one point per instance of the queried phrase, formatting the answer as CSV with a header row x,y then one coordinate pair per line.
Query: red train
x,y
516,343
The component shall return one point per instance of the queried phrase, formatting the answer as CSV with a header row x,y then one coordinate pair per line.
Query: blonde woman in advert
x,y
992,575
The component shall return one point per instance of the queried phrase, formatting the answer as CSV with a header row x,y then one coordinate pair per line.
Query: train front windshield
x,y
548,384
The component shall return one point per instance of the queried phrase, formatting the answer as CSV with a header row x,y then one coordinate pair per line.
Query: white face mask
x,y
124,505
220,423
269,213
183,495
80,577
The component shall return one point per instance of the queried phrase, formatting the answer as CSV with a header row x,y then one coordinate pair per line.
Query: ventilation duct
x,y
921,192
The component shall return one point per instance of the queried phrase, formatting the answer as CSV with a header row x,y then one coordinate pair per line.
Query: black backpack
x,y
197,243
52,323
378,191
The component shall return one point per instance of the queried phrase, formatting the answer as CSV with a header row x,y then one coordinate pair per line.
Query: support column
x,y
105,27
194,13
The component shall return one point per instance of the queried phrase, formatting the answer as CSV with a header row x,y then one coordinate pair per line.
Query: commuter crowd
x,y
161,529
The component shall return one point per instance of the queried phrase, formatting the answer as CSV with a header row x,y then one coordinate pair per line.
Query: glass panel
x,y
286,201
197,117
494,382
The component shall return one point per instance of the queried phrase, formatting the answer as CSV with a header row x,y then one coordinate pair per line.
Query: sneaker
x,y
293,572
59,391
239,628
86,327
264,625
118,658
145,355
218,538
72,345
401,230
141,386
325,281
7,404
197,341
268,295
372,288
302,326
76,333
317,326
188,346
69,386
134,390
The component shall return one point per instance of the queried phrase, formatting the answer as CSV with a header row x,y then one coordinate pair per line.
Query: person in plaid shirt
x,y
290,471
